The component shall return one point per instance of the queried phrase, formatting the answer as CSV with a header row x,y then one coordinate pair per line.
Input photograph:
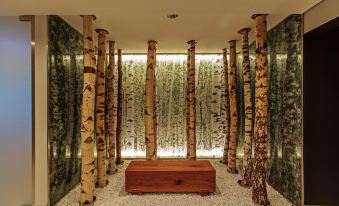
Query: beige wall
x,y
40,155
320,14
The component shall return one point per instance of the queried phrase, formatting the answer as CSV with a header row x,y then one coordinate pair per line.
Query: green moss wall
x,y
65,76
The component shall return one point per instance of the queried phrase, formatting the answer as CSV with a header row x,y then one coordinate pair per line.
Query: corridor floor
x,y
228,193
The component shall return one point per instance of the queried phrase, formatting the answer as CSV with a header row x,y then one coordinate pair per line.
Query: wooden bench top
x,y
170,166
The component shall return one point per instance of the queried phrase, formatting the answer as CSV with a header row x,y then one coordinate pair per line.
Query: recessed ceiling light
x,y
172,16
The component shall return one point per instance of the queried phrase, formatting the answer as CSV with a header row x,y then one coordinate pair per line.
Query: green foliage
x,y
284,98
65,77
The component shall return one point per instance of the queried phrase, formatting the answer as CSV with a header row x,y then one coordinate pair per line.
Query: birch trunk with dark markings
x,y
155,104
129,128
259,192
119,113
110,102
191,138
169,136
100,110
247,164
87,115
227,111
150,116
232,156
187,94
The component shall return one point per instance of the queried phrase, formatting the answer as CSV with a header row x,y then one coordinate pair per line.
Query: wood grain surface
x,y
170,176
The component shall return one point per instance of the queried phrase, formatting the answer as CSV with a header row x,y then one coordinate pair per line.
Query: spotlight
x,y
172,16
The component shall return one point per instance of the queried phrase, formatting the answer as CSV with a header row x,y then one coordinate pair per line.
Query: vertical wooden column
x,y
110,102
187,94
150,116
191,138
88,115
100,110
247,164
227,105
259,192
119,112
155,106
232,157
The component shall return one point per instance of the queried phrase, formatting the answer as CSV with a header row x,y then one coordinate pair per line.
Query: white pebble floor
x,y
228,193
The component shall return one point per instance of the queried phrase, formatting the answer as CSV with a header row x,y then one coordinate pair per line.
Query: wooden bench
x,y
170,176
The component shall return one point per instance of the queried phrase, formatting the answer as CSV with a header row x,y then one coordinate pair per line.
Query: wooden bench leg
x,y
204,193
136,192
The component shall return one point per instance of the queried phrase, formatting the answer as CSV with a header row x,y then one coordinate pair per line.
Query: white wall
x,y
320,14
15,112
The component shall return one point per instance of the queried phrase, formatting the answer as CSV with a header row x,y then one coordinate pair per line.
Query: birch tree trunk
x,y
106,109
259,192
119,113
110,102
181,109
100,110
220,106
150,117
232,156
131,76
215,105
87,115
247,165
187,95
200,114
191,138
227,105
169,136
155,124
129,129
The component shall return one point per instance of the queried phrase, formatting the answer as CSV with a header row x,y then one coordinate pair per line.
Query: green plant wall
x,y
65,76
285,107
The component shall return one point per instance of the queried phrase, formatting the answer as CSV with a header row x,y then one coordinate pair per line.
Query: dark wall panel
x,y
321,98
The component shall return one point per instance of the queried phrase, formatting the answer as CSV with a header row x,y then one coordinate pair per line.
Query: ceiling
x,y
131,23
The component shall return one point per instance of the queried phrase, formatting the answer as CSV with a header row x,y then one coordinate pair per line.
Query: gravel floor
x,y
228,193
